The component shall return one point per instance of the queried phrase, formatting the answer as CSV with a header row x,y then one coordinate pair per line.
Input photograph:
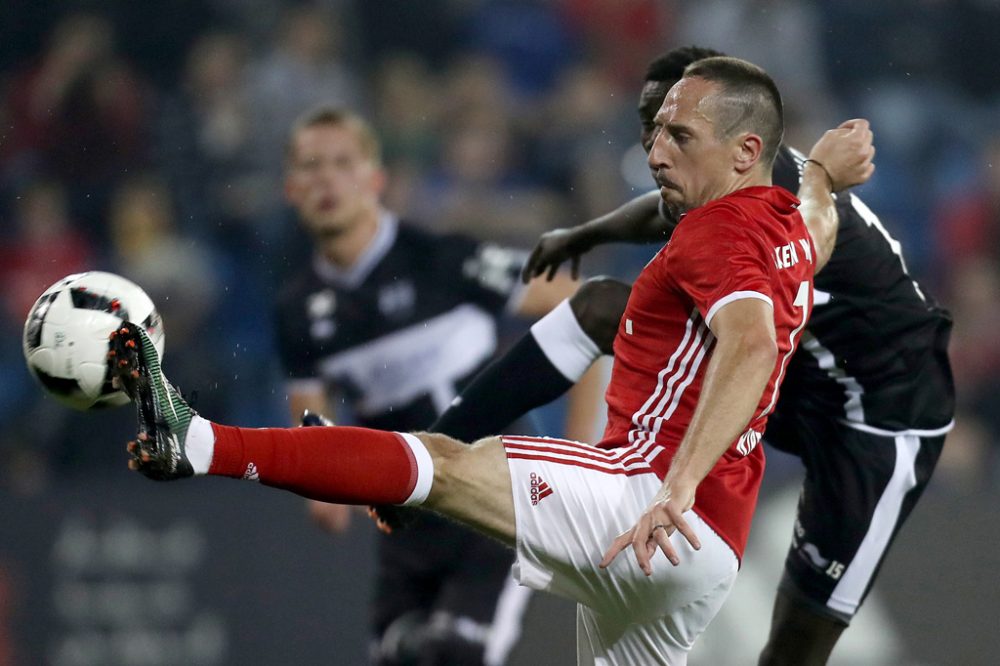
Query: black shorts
x,y
436,571
860,487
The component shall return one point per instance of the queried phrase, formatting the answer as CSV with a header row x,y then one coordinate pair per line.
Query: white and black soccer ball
x,y
65,339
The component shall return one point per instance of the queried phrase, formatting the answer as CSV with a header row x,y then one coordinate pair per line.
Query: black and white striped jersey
x,y
398,335
875,350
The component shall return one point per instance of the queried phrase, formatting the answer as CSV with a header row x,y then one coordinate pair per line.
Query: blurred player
x,y
393,321
703,346
866,401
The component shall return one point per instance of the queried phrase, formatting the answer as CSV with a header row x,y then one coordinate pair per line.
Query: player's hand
x,y
662,518
389,517
552,250
336,518
846,154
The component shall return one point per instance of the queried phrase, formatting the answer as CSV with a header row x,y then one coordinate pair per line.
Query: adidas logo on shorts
x,y
539,489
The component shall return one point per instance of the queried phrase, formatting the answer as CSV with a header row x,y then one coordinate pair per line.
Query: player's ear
x,y
747,151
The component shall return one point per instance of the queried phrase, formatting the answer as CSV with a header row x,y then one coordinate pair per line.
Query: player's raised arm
x,y
637,221
842,158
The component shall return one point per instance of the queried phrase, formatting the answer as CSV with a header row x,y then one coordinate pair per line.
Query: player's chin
x,y
673,202
326,226
670,192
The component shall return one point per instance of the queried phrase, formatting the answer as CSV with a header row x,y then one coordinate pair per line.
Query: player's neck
x,y
754,178
344,249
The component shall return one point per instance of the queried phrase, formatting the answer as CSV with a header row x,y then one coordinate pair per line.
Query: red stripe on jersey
x,y
688,370
681,347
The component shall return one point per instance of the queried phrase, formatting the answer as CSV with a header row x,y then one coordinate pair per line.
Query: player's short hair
x,y
671,65
749,101
334,116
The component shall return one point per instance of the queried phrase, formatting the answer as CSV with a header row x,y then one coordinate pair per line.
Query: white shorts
x,y
571,500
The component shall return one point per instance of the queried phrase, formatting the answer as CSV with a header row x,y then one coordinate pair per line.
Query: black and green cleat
x,y
164,415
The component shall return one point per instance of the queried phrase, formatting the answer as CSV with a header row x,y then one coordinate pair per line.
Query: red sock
x,y
332,464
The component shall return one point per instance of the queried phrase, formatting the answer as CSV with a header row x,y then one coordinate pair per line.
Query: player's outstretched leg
x,y
337,464
555,353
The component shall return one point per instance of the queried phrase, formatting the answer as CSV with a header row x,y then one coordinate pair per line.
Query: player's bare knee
x,y
598,306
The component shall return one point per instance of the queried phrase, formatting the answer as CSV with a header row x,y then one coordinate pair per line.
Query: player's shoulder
x,y
706,232
754,220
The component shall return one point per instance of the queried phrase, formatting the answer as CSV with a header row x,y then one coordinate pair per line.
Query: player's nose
x,y
657,158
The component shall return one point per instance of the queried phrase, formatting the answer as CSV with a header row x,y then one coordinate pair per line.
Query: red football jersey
x,y
749,244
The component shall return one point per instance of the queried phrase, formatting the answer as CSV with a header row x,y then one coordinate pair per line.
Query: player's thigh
x,y
605,639
859,489
571,500
471,484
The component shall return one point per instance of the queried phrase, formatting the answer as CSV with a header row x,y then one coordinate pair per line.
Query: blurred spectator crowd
x,y
147,139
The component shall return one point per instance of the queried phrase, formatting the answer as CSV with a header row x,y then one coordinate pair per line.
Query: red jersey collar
x,y
776,196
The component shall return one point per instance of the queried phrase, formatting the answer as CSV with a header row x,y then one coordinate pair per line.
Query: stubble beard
x,y
674,210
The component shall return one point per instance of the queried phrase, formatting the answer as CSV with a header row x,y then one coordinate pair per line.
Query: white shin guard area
x,y
199,444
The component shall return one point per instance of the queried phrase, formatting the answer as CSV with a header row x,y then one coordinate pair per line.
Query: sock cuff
x,y
564,343
199,444
424,469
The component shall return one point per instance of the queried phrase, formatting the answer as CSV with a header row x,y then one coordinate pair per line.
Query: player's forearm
x,y
737,375
637,221
819,211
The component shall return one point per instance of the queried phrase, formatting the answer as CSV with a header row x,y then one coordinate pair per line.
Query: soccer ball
x,y
65,338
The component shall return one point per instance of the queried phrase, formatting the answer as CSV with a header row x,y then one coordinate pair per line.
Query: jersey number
x,y
801,301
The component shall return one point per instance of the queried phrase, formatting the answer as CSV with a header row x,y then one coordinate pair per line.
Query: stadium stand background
x,y
146,138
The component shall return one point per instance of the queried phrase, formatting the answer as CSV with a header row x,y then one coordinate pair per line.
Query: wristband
x,y
829,178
